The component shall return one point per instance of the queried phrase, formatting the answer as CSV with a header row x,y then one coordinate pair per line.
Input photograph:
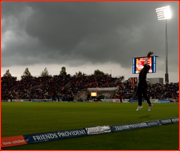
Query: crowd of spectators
x,y
57,87
7,85
154,91
66,87
35,88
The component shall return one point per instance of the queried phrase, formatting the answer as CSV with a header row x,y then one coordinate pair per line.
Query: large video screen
x,y
138,64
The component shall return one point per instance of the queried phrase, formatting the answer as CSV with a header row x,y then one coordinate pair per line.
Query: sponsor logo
x,y
12,141
120,128
41,137
175,120
153,123
98,130
72,133
165,121
44,137
138,125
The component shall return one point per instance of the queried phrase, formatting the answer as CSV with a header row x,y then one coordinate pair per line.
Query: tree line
x,y
45,73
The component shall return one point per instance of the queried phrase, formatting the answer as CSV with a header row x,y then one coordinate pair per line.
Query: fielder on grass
x,y
142,85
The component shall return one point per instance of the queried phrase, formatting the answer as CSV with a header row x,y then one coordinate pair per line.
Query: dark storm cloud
x,y
77,33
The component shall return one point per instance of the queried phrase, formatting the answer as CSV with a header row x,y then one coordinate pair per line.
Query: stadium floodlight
x,y
164,13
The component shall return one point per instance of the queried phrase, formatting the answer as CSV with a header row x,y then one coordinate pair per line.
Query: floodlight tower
x,y
164,13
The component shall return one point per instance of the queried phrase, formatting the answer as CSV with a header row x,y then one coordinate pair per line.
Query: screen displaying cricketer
x,y
138,64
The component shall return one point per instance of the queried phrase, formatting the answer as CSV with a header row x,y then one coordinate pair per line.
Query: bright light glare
x,y
163,13
93,93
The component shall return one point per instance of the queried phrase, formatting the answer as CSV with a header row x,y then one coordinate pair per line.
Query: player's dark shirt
x,y
142,75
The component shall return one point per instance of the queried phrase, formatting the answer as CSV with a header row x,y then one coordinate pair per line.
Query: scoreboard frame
x,y
151,61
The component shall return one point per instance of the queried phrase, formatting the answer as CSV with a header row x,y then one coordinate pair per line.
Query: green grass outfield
x,y
31,118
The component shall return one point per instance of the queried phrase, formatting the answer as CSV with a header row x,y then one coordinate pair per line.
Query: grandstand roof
x,y
103,89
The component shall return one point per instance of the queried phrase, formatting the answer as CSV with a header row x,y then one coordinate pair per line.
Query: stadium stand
x,y
68,88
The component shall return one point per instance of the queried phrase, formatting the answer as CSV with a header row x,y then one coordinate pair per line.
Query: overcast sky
x,y
85,36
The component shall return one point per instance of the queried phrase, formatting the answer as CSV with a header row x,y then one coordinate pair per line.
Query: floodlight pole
x,y
164,13
166,75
